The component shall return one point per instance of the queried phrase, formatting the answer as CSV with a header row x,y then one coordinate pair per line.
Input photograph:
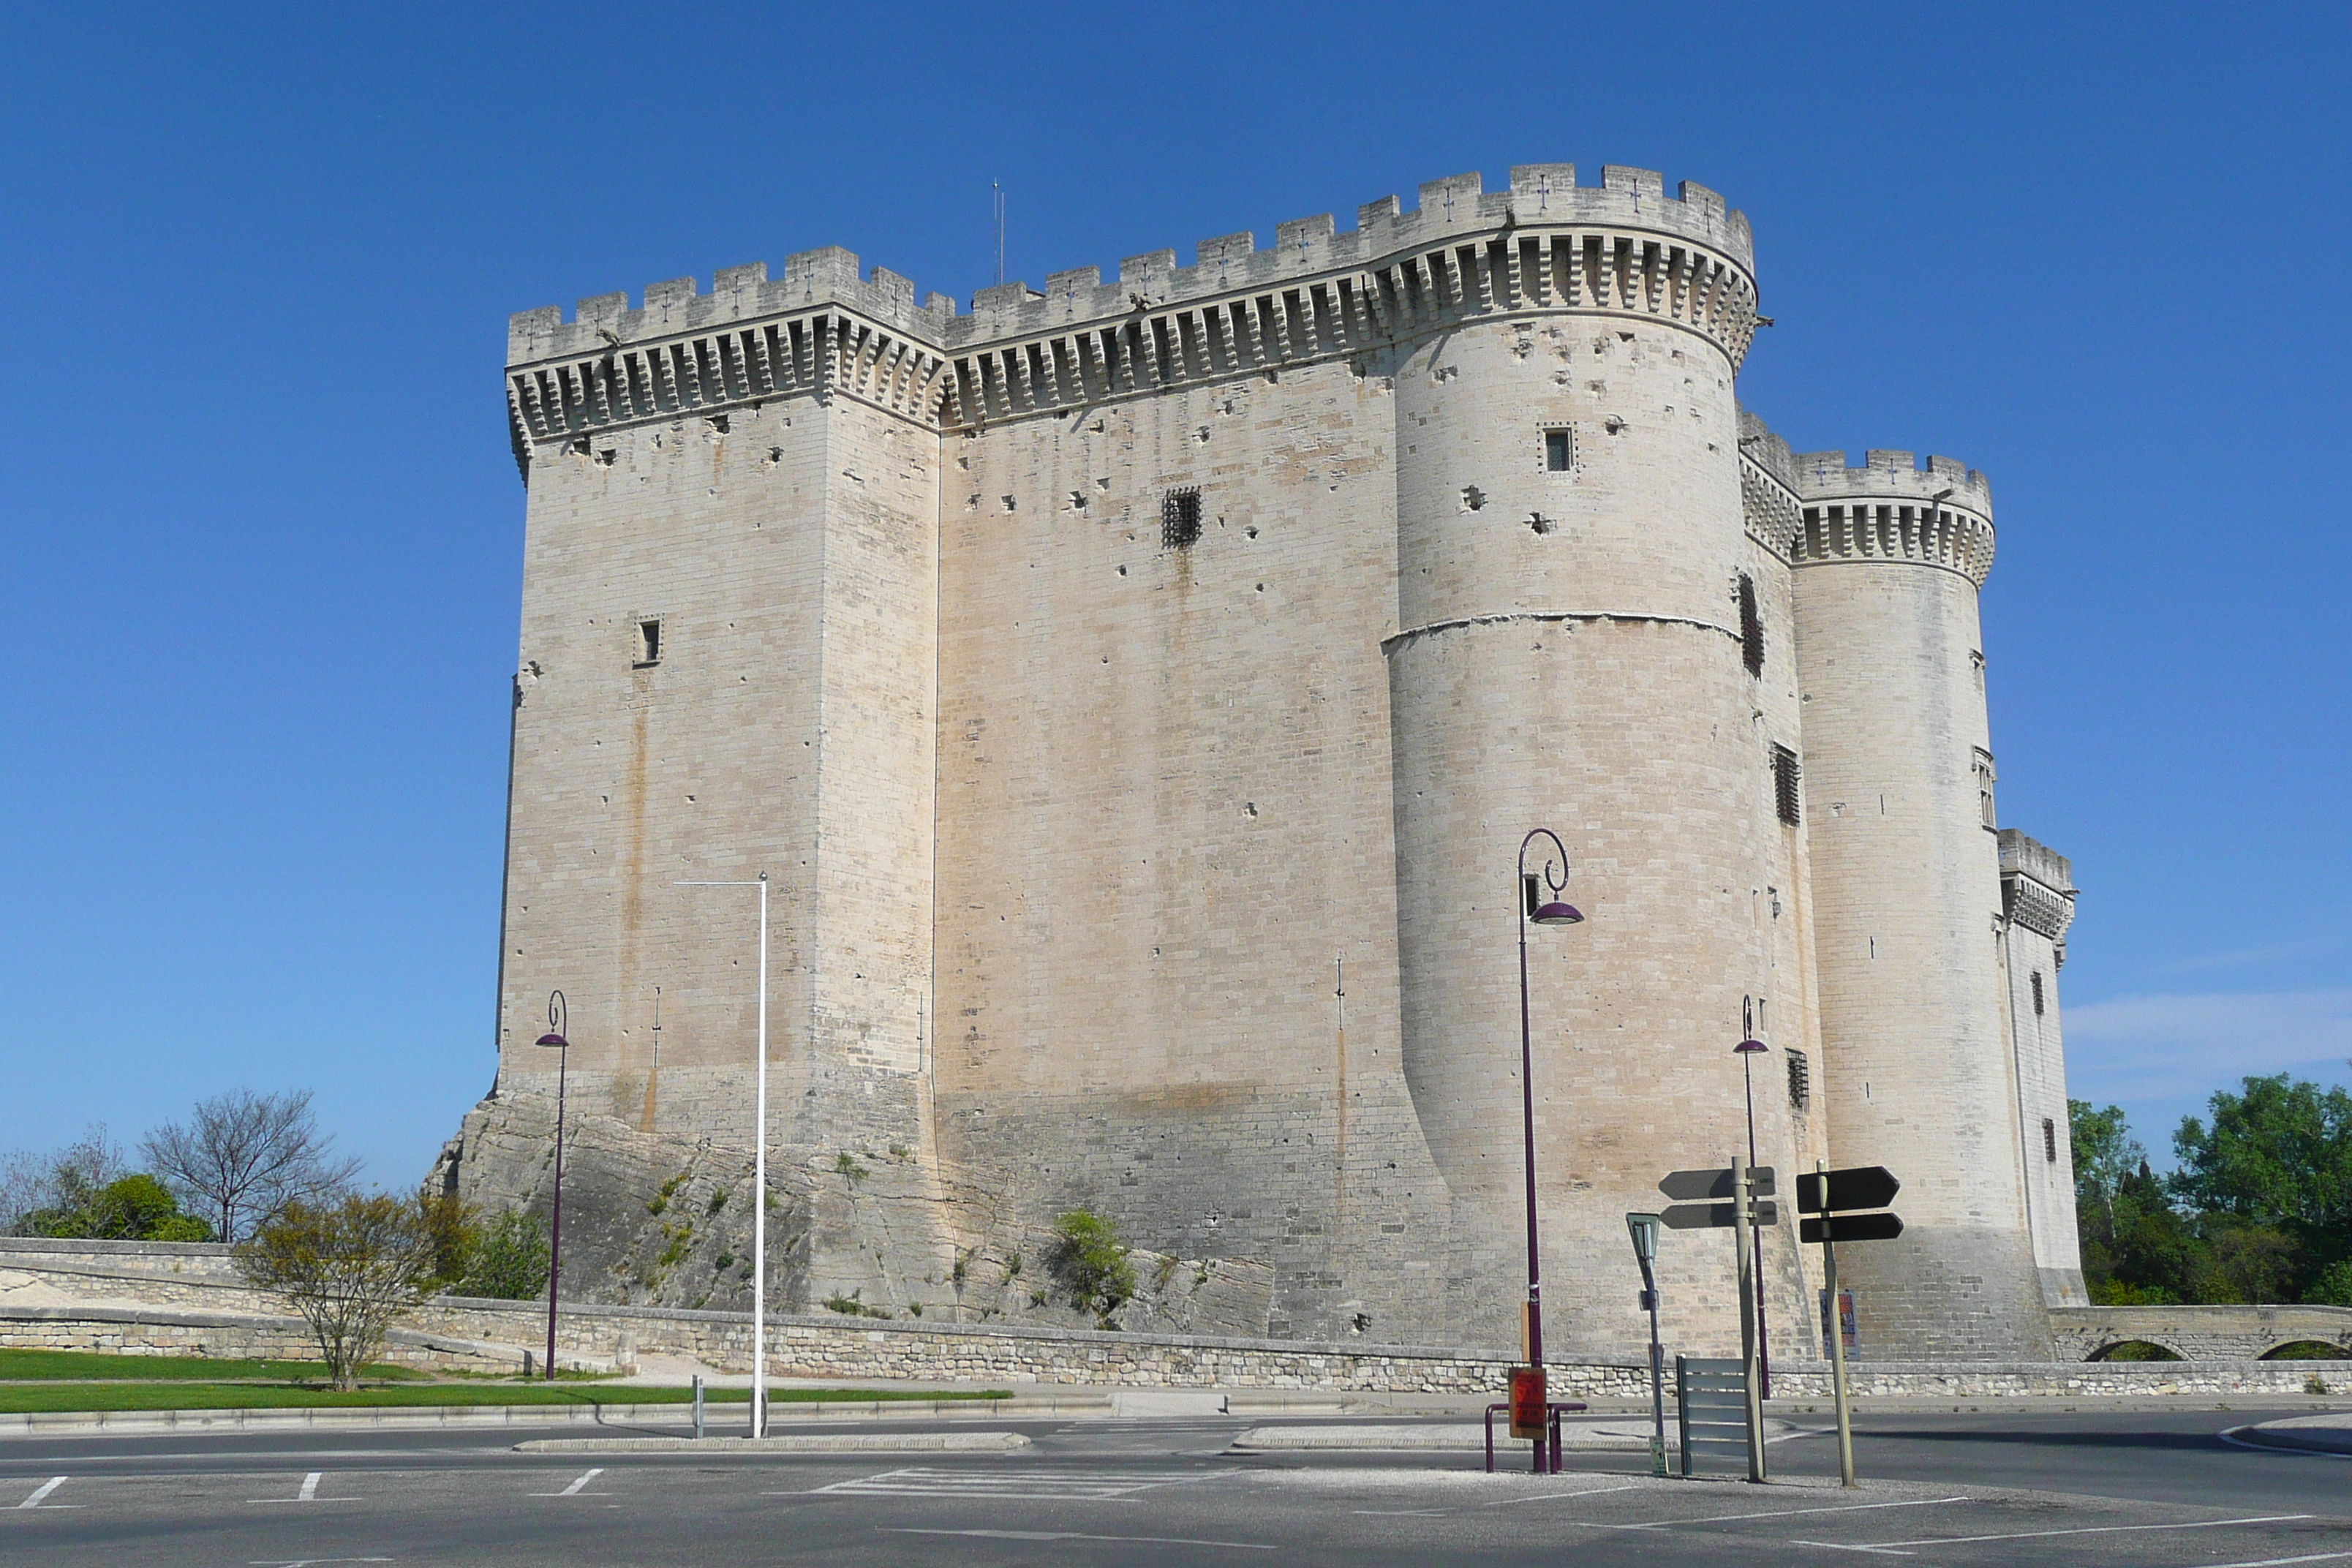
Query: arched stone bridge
x,y
2198,1333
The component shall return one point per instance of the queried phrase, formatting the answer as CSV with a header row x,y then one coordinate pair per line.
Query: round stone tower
x,y
1906,881
1570,545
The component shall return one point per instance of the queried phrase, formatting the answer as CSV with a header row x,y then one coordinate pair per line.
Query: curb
x,y
2335,1443
464,1417
789,1443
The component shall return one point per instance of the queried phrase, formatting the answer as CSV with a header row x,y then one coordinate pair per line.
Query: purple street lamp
x,y
1535,908
1747,1047
554,1036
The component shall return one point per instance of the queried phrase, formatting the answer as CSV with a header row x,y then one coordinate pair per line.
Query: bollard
x,y
698,1406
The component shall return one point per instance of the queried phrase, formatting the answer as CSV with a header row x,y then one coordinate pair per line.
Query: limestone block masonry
x,y
1136,691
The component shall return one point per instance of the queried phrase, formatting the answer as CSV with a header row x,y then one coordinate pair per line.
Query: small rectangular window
x,y
1984,787
649,647
1180,518
1751,627
1801,1081
1559,450
2048,1140
1788,799
2037,994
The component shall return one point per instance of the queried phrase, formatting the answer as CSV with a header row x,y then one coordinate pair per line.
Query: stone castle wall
x,y
1169,873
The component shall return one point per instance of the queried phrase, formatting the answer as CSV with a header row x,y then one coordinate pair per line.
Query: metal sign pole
x,y
1837,1346
1740,1220
1657,1390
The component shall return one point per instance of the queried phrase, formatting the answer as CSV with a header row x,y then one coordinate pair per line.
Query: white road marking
x,y
2231,1437
1894,1548
1398,1512
2282,1561
311,1561
1085,1484
1782,1513
44,1489
310,1493
1558,1497
573,1489
1075,1535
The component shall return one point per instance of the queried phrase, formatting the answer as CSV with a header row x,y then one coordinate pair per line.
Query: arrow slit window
x,y
1801,1081
2050,1140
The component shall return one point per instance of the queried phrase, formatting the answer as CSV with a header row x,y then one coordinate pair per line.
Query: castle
x,y
1136,694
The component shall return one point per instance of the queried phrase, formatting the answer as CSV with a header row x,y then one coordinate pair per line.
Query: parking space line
x,y
575,1489
1780,1513
1558,1497
309,1493
1894,1548
1076,1535
44,1489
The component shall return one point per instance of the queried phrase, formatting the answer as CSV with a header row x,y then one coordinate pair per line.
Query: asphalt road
x,y
1952,1490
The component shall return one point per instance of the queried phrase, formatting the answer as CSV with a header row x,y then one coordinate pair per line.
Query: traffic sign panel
x,y
1695,1186
1703,1216
1859,1188
1847,1227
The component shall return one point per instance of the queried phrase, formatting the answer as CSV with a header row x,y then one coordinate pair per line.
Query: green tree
x,y
136,1207
348,1269
1091,1261
2278,1156
2105,1153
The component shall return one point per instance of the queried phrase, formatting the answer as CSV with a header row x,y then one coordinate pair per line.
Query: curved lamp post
x,y
556,1019
1748,1049
1536,909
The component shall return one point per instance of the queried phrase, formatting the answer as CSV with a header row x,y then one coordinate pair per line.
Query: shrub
x,y
1091,1262
509,1260
347,1268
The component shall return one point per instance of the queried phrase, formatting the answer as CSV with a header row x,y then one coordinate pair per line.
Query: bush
x,y
1091,1262
348,1269
509,1260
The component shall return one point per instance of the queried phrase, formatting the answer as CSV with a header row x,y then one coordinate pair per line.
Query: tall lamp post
x,y
1748,1049
556,1020
1535,908
758,1176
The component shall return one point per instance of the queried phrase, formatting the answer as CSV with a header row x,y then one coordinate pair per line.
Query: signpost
x,y
1823,1194
1643,1229
1748,1189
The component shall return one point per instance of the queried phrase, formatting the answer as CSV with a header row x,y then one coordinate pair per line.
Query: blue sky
x,y
263,531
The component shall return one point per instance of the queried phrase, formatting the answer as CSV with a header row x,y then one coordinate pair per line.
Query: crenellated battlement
x,y
1769,501
1544,243
1892,509
1540,197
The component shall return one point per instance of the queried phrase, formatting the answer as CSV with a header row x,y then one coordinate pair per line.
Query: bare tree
x,y
242,1157
348,1269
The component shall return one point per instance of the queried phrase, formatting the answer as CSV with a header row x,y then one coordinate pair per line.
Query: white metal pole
x,y
760,1198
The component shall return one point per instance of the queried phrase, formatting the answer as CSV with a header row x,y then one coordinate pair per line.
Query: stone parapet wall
x,y
235,1336
488,1336
38,1271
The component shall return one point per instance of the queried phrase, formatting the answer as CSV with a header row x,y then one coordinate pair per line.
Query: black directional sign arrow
x,y
1696,1186
1703,1217
1859,1188
1847,1227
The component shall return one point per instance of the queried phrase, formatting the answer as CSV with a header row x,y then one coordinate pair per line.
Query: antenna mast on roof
x,y
996,196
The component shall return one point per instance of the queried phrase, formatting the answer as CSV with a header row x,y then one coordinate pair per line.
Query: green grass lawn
x,y
58,1365
295,1384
